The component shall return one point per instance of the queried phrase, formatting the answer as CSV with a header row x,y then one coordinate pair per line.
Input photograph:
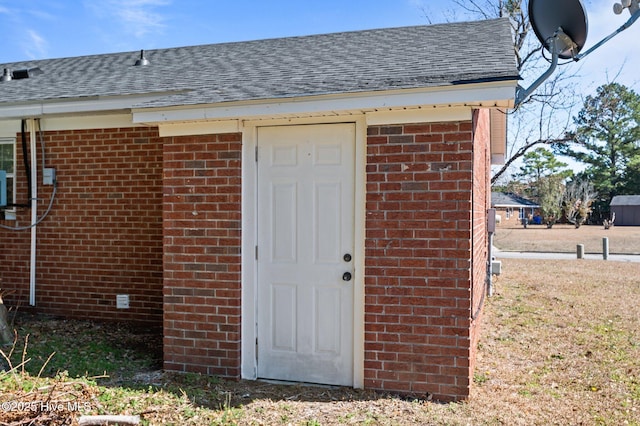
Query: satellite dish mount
x,y
561,26
556,44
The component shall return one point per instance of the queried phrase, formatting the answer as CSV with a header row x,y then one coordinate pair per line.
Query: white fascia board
x,y
199,128
9,128
103,121
110,121
500,94
422,115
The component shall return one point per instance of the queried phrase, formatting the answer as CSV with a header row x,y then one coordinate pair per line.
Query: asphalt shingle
x,y
349,62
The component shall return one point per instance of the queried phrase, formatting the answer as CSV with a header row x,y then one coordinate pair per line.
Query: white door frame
x,y
249,292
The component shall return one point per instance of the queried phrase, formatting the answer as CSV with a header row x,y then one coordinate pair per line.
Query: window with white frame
x,y
8,163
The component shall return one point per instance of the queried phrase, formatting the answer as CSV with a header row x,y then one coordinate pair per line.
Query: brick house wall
x,y
103,235
202,241
159,219
481,203
421,210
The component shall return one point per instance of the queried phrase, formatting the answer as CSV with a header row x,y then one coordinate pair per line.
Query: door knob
x,y
346,276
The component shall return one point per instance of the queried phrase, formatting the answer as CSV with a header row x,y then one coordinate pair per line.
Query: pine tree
x,y
606,140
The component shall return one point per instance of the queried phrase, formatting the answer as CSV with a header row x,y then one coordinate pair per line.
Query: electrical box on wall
x,y
3,188
496,267
491,220
48,176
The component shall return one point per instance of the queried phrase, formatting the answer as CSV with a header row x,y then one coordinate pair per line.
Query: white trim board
x,y
199,128
422,115
375,118
106,121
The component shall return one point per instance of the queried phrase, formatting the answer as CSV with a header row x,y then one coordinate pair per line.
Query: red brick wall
x,y
104,234
481,203
202,219
418,259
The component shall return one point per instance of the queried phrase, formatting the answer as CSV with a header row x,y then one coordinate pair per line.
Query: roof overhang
x,y
379,107
434,104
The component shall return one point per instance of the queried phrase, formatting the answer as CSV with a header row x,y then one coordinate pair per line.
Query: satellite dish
x,y
568,16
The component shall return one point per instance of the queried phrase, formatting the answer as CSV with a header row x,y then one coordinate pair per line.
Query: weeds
x,y
480,378
37,400
46,394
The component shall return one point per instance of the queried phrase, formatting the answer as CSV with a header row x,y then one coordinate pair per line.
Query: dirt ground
x,y
564,238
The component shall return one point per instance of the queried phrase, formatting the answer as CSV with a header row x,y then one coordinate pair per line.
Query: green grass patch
x,y
83,348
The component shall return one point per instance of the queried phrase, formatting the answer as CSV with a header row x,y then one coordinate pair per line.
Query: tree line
x,y
605,140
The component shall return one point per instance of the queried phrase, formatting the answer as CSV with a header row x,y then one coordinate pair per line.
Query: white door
x,y
305,249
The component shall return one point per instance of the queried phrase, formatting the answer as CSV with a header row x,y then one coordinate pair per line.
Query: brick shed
x,y
308,209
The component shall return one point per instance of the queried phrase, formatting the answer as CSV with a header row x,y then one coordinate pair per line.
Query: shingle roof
x,y
507,199
626,200
349,62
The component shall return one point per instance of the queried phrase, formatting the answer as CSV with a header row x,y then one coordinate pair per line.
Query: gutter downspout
x,y
34,210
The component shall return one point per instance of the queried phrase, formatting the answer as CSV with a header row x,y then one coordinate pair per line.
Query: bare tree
x,y
546,116
579,195
491,9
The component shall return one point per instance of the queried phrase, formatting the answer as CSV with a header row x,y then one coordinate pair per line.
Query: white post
x,y
605,248
580,251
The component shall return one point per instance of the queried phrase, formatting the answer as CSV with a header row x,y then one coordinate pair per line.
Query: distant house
x,y
308,209
511,207
626,209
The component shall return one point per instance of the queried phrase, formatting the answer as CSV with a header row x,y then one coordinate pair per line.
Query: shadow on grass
x,y
126,360
84,348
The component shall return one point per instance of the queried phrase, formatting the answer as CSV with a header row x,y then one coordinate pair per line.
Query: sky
x,y
40,29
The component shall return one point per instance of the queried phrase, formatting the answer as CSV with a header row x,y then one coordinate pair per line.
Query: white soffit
x,y
500,94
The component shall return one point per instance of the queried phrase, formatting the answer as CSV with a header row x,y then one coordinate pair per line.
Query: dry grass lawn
x,y
560,345
564,238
